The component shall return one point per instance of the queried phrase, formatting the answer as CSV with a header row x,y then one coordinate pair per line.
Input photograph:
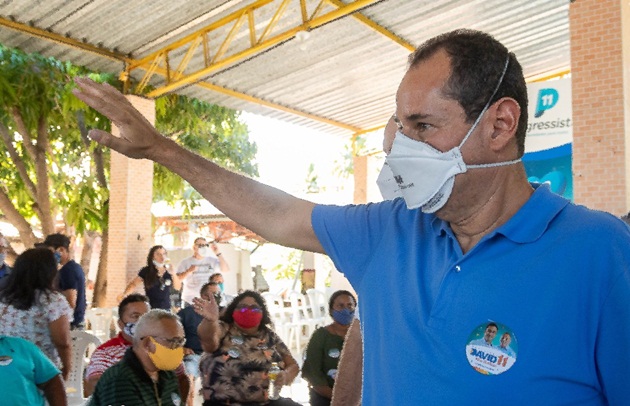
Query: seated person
x,y
25,372
112,351
145,374
192,349
241,348
324,348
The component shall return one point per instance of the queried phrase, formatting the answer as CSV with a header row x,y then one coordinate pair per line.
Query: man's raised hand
x,y
138,138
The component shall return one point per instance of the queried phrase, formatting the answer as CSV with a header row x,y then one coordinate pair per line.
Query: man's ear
x,y
506,118
121,324
148,345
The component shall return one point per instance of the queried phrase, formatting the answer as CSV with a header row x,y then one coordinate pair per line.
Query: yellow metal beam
x,y
276,106
378,28
265,41
548,76
60,39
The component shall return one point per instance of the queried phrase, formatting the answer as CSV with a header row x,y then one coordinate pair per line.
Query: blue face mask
x,y
58,257
343,317
221,286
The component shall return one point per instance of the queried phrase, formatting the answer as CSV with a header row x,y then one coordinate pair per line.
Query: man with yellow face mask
x,y
145,374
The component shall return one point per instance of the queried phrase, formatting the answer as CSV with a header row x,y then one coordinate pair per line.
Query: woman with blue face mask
x,y
324,348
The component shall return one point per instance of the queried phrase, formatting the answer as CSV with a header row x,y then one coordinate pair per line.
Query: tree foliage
x,y
50,169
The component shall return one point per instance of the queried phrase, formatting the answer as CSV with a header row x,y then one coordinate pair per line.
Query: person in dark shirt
x,y
158,279
145,374
71,278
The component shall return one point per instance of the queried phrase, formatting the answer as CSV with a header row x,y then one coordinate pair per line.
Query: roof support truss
x,y
262,36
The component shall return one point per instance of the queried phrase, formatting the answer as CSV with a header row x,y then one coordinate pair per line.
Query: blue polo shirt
x,y
556,276
23,366
71,276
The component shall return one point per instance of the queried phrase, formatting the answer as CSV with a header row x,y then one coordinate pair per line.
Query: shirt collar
x,y
529,222
533,219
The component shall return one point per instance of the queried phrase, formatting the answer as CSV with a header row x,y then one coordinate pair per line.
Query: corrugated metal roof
x,y
344,71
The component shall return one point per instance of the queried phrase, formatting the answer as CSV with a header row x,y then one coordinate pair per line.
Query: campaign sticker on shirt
x,y
332,373
5,360
238,340
262,345
491,348
234,353
334,353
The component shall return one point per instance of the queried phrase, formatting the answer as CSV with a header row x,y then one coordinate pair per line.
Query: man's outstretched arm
x,y
269,212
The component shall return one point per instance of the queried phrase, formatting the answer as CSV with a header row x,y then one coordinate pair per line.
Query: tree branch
x,y
23,130
97,153
41,172
16,219
17,161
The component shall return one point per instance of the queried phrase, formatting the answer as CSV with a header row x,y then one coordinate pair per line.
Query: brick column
x,y
131,195
601,95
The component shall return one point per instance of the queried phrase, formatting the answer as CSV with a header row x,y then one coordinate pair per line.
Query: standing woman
x,y
157,279
31,309
240,347
324,348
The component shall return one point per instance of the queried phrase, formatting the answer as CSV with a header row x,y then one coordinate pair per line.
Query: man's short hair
x,y
133,298
197,239
214,275
57,240
477,62
146,325
205,287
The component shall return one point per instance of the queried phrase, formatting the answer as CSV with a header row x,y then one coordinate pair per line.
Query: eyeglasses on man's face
x,y
171,343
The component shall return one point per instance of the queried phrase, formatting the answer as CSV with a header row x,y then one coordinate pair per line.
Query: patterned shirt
x,y
237,371
32,324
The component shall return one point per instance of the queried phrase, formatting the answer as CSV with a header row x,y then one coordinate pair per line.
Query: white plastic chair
x,y
278,314
319,306
301,324
81,342
100,321
115,319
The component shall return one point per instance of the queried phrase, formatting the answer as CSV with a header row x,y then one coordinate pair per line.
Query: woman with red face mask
x,y
240,348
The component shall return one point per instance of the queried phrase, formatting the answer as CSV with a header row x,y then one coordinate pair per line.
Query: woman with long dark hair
x,y
241,348
30,308
157,277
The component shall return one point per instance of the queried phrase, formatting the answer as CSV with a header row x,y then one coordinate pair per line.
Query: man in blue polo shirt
x,y
71,278
470,242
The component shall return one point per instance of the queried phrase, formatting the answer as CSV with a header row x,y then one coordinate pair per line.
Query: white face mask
x,y
425,175
204,251
387,184
161,264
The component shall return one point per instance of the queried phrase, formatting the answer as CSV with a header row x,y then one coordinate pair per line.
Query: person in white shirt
x,y
197,269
